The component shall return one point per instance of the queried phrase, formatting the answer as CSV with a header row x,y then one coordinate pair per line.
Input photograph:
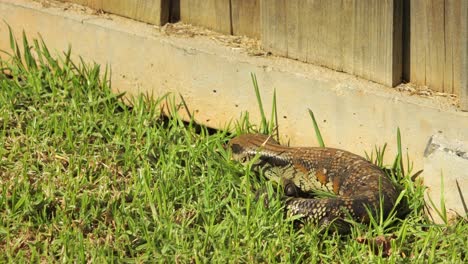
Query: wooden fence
x,y
386,41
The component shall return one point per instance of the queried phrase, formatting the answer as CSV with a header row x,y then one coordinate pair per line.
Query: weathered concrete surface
x,y
447,159
214,79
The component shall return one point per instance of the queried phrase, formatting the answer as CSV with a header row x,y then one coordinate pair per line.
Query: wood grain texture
x,y
437,44
274,27
151,11
463,44
246,18
213,14
362,37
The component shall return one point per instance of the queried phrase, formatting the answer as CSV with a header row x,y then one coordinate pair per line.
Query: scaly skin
x,y
356,182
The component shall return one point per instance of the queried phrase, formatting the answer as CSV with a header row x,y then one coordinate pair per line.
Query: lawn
x,y
85,177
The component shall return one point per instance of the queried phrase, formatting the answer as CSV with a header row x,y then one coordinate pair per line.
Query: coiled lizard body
x,y
356,183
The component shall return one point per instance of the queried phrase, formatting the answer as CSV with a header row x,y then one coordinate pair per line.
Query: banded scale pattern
x,y
355,182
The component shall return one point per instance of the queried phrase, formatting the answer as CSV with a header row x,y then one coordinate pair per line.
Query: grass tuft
x,y
267,127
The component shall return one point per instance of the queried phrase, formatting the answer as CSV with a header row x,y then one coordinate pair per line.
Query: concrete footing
x,y
447,159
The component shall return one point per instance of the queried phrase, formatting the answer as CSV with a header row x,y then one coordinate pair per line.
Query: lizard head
x,y
244,148
241,153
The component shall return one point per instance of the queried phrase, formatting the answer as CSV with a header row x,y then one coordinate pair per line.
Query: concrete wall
x,y
353,114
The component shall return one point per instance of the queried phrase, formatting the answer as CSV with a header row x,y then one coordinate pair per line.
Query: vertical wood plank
x,y
294,31
246,18
333,38
450,18
294,43
314,18
151,11
362,37
437,43
306,34
273,21
348,46
457,38
418,35
436,47
360,47
463,54
213,14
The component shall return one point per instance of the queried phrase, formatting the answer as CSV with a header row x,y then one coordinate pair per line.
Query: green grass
x,y
84,177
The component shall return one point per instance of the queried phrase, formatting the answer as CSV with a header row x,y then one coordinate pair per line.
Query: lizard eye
x,y
243,159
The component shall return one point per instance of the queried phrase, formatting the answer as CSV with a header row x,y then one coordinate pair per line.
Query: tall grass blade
x,y
317,130
14,45
50,60
263,122
443,209
274,118
400,153
38,50
28,57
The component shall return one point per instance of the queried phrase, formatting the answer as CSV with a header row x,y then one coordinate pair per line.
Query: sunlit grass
x,y
85,177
